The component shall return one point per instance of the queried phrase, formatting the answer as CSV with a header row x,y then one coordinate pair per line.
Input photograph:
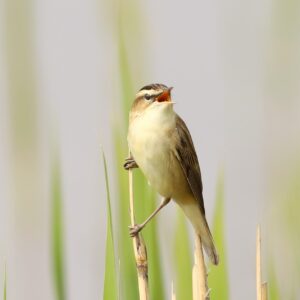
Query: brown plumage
x,y
187,157
162,147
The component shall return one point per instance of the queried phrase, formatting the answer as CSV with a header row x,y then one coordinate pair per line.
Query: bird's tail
x,y
198,220
208,242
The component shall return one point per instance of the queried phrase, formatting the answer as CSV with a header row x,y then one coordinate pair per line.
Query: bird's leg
x,y
130,163
134,230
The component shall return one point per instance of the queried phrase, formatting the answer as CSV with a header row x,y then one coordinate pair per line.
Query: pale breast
x,y
150,141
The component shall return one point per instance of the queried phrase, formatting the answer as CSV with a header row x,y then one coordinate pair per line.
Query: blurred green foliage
x,y
286,224
57,235
183,259
4,283
273,287
21,72
218,277
110,291
23,108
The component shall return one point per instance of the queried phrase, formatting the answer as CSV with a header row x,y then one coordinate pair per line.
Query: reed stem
x,y
200,288
258,263
264,291
173,292
140,251
261,288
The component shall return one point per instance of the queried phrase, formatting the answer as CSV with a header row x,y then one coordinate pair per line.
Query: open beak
x,y
164,96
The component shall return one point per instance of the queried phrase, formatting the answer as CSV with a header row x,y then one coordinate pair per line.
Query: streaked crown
x,y
154,86
148,95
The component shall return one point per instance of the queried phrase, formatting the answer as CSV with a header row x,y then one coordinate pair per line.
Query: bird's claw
x,y
130,164
134,230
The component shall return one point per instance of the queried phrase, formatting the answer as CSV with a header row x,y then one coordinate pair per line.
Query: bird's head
x,y
149,96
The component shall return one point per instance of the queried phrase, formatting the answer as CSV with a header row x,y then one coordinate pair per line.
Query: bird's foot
x,y
134,230
130,164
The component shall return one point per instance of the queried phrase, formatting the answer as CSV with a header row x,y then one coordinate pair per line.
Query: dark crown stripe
x,y
154,86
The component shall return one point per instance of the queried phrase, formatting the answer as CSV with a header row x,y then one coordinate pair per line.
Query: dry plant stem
x,y
258,264
139,248
261,288
173,293
195,278
264,291
200,289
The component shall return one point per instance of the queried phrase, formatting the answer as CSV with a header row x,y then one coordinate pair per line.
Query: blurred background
x,y
69,71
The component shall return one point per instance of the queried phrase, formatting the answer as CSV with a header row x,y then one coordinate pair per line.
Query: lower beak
x,y
164,96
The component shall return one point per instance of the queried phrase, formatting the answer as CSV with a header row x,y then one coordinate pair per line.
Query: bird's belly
x,y
152,152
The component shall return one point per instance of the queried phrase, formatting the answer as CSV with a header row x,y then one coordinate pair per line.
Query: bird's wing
x,y
187,157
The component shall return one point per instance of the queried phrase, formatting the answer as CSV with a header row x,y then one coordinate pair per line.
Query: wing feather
x,y
187,157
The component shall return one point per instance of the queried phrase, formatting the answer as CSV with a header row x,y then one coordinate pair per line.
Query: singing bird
x,y
161,146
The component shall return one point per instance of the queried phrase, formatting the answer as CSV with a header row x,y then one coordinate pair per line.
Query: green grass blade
x,y
128,284
218,279
126,81
183,260
57,235
273,287
5,283
110,280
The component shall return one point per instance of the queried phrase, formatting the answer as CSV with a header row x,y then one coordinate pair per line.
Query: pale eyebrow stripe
x,y
144,92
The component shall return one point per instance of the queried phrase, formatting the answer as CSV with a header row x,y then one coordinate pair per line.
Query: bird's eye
x,y
147,97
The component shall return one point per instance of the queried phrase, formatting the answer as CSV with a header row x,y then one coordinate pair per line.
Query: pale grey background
x,y
215,55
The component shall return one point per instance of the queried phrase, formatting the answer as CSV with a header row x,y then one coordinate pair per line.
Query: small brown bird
x,y
161,146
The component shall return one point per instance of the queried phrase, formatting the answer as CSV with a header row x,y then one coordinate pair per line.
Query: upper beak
x,y
164,96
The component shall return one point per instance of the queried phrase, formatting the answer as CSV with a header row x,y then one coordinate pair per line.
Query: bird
x,y
161,145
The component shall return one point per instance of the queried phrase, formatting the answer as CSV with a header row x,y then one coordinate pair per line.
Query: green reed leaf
x,y
183,260
218,280
57,235
110,280
273,287
5,283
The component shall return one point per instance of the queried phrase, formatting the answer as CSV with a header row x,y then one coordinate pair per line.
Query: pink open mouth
x,y
165,96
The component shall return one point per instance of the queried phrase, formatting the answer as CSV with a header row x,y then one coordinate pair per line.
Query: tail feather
x,y
207,241
201,228
209,248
